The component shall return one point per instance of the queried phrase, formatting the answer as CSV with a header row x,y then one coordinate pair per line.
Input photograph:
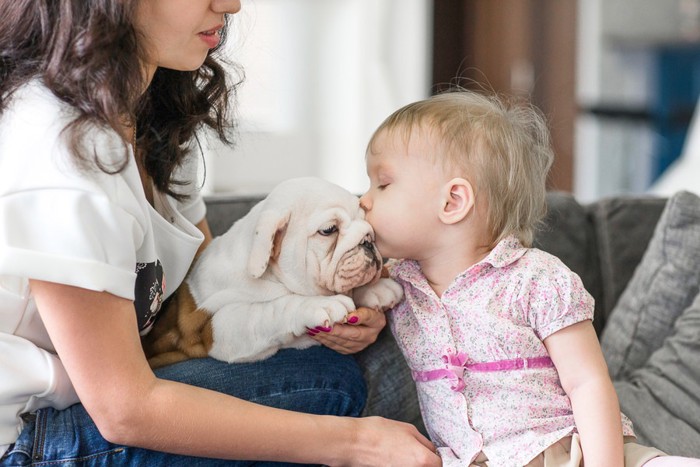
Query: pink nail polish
x,y
353,319
311,333
323,328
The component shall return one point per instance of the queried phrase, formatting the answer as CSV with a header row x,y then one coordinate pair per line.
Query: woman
x,y
99,104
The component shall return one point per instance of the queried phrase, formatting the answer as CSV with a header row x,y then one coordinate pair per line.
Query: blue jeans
x,y
316,380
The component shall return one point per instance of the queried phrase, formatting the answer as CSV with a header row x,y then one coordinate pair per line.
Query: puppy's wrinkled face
x,y
327,246
340,249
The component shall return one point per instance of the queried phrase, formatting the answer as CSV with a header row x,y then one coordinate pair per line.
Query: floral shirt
x,y
501,308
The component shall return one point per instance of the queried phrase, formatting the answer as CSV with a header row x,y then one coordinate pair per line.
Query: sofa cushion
x,y
223,211
623,228
391,392
663,285
663,397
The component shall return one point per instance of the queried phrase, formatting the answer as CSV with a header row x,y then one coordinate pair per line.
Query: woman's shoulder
x,y
35,115
34,104
36,156
32,128
33,122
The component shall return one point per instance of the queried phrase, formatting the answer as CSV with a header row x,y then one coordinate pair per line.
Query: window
x,y
320,76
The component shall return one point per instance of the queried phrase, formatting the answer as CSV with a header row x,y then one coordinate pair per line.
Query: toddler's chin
x,y
385,252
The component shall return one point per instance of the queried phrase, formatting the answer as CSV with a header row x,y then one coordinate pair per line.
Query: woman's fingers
x,y
362,328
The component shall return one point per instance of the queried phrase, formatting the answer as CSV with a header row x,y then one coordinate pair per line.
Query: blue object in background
x,y
676,97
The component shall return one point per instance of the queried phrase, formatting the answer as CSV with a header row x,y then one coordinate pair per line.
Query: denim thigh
x,y
315,380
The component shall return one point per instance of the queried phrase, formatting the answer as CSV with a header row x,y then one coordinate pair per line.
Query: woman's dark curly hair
x,y
87,53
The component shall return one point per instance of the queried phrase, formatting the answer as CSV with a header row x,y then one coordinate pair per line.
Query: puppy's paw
x,y
325,311
382,295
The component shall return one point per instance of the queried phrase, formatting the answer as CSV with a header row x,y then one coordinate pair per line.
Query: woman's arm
x,y
576,353
96,337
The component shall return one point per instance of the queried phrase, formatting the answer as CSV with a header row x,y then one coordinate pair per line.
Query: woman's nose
x,y
226,6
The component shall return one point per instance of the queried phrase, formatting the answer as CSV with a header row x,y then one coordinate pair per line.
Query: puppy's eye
x,y
330,230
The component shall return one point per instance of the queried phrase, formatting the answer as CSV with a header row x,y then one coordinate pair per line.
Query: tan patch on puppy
x,y
183,331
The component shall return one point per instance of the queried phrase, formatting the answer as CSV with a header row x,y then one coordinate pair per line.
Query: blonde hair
x,y
502,148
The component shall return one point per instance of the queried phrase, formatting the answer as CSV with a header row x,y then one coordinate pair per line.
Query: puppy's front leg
x,y
381,295
245,332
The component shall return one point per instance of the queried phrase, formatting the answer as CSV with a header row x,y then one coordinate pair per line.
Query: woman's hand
x,y
362,328
383,442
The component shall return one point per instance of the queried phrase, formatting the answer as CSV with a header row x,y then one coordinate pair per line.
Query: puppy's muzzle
x,y
371,252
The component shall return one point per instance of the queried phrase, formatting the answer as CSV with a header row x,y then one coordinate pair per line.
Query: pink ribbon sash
x,y
455,366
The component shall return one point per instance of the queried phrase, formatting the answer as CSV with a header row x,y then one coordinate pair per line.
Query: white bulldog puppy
x,y
303,257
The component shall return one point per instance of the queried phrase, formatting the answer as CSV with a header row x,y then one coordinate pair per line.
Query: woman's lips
x,y
211,37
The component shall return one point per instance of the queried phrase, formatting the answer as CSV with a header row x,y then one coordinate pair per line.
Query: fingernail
x,y
323,328
353,319
312,333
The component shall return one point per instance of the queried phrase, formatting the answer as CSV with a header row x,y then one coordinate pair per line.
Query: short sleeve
x,y
554,298
59,221
70,237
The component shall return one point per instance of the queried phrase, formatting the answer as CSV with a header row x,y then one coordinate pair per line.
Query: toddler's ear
x,y
457,200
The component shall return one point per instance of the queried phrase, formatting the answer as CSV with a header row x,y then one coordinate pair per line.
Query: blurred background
x,y
618,80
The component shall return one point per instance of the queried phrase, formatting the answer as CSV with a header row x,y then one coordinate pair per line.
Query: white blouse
x,y
75,226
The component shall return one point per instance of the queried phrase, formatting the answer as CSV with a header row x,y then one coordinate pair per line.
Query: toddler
x,y
498,335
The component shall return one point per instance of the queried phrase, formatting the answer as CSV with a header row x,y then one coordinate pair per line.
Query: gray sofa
x,y
604,242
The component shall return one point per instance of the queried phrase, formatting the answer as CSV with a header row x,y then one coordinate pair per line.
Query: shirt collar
x,y
505,253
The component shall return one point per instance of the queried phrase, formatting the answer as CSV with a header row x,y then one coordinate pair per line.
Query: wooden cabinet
x,y
514,47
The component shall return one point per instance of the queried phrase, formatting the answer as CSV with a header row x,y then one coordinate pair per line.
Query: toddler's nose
x,y
365,202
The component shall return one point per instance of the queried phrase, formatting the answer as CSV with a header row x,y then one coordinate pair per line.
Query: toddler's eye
x,y
381,187
330,230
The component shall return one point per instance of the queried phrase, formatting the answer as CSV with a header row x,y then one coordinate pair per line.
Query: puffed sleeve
x,y
554,298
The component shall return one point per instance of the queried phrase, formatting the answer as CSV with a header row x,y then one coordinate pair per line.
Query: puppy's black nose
x,y
370,252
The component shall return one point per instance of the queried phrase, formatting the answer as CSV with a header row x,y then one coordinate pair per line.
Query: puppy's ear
x,y
458,200
269,233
